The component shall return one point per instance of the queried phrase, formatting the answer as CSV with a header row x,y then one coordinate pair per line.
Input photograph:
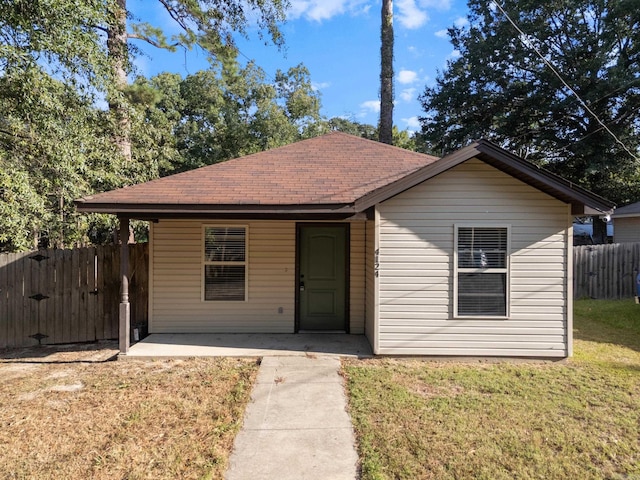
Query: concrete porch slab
x,y
173,345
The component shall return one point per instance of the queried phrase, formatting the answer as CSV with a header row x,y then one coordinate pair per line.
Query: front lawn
x,y
574,419
69,415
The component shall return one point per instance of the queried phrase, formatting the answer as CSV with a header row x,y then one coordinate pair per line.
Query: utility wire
x,y
530,44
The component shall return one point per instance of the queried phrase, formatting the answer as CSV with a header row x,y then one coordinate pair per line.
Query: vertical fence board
x,y
21,303
100,325
32,324
56,313
67,318
627,261
83,299
15,298
111,291
91,293
44,286
577,272
4,301
29,305
75,296
133,283
79,280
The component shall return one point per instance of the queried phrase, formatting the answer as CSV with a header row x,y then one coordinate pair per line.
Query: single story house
x,y
465,255
626,222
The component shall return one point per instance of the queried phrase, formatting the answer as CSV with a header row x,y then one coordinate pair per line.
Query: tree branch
x,y
16,135
150,41
101,28
173,14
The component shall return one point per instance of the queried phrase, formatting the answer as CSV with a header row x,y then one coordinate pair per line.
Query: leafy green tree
x,y
207,24
88,42
299,101
353,127
218,114
59,59
54,148
401,138
58,34
500,88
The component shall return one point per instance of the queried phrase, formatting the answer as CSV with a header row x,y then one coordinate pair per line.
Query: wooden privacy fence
x,y
66,296
605,271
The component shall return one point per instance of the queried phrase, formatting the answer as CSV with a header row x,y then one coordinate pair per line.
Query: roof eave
x,y
625,215
156,211
582,201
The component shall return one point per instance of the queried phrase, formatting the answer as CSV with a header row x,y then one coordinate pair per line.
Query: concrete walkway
x,y
296,425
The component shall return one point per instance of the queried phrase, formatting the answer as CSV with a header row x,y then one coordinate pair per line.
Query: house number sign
x,y
376,263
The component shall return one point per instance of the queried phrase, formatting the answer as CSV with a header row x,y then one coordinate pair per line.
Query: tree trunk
x,y
118,52
385,133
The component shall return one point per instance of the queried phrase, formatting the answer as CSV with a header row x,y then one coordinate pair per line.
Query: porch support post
x,y
125,308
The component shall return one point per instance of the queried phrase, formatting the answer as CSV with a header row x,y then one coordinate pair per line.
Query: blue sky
x,y
339,42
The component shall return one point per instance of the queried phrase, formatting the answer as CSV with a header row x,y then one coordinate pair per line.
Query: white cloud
x,y
372,106
413,123
319,10
407,77
454,54
319,85
461,22
437,4
444,33
408,94
410,15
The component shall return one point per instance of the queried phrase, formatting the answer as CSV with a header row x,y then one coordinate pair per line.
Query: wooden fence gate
x,y
605,271
65,296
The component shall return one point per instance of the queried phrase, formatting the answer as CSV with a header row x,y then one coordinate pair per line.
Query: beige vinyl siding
x,y
626,230
369,329
176,280
416,267
357,278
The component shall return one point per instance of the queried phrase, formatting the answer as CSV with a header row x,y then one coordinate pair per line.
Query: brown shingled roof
x,y
333,169
335,175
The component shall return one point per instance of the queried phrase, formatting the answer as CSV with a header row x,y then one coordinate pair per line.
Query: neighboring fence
x,y
65,296
605,271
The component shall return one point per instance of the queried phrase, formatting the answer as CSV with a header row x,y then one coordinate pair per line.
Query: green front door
x,y
322,282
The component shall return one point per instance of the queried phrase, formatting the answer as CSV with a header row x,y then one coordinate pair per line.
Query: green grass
x,y
607,333
576,419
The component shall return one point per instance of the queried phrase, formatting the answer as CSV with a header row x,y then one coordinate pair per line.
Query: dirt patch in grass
x,y
446,420
75,414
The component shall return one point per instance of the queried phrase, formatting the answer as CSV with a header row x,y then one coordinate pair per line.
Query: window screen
x,y
482,271
225,267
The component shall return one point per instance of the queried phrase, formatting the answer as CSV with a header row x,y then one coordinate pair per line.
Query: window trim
x,y
506,270
204,262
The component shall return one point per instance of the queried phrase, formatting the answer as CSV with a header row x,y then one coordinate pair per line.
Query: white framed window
x,y
224,266
481,271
